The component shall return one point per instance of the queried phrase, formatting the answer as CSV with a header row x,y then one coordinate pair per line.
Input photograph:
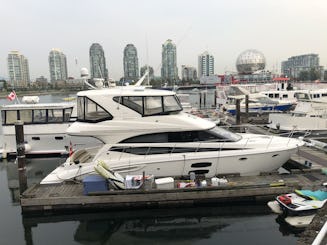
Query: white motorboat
x,y
45,126
299,208
257,102
146,130
308,116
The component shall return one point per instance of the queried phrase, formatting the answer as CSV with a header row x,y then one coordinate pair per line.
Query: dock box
x,y
165,183
93,183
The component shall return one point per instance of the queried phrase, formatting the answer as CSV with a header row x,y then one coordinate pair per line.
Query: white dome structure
x,y
250,61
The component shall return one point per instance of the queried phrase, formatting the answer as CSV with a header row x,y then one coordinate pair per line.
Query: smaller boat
x,y
300,207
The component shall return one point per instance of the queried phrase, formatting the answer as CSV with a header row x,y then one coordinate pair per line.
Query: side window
x,y
26,116
152,105
88,110
39,116
55,115
11,117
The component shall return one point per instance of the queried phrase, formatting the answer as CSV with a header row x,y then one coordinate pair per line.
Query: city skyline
x,y
279,29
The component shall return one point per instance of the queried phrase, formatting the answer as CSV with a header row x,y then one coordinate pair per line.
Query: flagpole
x,y
16,97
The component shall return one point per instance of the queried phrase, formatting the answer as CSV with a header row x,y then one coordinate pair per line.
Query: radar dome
x,y
250,61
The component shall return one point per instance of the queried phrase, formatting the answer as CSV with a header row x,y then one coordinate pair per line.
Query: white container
x,y
214,181
165,183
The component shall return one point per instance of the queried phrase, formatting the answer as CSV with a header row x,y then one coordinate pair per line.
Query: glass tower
x,y
131,63
98,62
169,69
58,65
18,69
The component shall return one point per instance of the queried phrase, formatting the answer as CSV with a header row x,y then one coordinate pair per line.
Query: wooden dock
x,y
69,196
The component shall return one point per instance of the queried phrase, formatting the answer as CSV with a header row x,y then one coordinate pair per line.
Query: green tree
x,y
304,76
314,74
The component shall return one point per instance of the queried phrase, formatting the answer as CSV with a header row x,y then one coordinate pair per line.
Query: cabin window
x,y
11,117
67,114
285,95
25,116
55,115
40,116
150,105
90,111
213,135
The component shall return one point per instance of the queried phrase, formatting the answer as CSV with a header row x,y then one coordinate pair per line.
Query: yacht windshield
x,y
225,134
150,105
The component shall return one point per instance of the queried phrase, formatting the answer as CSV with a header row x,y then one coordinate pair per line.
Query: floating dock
x,y
69,196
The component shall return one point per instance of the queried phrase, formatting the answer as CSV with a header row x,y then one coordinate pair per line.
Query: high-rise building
x,y
131,63
169,69
188,73
57,65
294,65
18,69
206,63
98,62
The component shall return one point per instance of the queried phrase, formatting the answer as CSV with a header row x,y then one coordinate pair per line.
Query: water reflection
x,y
180,226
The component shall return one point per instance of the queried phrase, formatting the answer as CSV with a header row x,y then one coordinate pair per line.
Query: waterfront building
x,y
189,73
131,63
57,65
98,66
18,69
169,71
206,63
299,67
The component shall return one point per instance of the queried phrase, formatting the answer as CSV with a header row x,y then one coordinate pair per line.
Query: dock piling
x,y
21,160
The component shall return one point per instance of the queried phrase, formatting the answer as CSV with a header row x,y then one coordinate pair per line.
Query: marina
x,y
59,199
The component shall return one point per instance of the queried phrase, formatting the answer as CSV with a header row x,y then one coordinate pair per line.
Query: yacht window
x,y
67,114
25,116
150,105
89,111
171,103
165,150
285,95
11,117
55,115
3,117
40,116
216,134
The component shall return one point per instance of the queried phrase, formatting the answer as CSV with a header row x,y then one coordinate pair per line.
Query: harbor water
x,y
230,224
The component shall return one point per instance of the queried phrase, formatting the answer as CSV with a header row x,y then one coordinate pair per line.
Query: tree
x,y
314,74
304,76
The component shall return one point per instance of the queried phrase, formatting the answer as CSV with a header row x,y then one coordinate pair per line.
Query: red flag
x,y
11,96
71,151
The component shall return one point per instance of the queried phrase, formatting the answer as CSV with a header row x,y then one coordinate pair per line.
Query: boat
x,y
45,127
299,208
309,115
257,103
146,130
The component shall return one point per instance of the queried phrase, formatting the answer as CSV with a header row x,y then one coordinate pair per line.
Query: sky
x,y
277,28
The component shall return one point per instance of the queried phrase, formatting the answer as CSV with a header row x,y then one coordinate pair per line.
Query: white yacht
x,y
146,130
45,126
309,115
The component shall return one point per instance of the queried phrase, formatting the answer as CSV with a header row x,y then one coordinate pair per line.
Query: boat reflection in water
x,y
162,226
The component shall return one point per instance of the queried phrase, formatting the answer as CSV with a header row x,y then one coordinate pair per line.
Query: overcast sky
x,y
277,28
